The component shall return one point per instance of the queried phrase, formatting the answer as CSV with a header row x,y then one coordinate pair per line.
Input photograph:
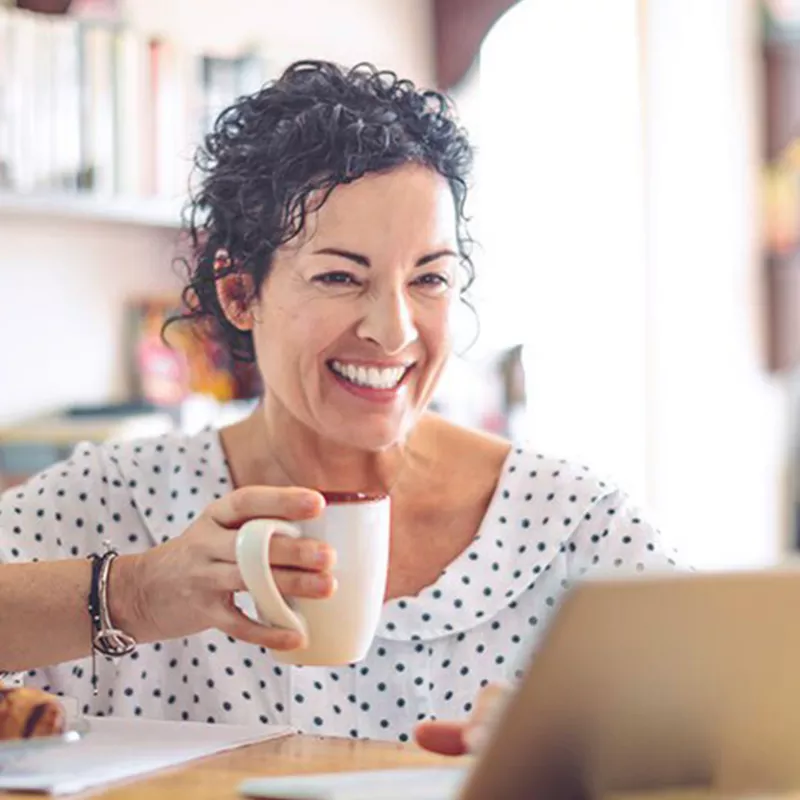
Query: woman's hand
x,y
469,736
187,584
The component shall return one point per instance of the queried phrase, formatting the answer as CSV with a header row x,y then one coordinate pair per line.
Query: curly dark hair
x,y
316,126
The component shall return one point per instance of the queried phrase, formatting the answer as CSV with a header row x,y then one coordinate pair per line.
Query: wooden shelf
x,y
153,213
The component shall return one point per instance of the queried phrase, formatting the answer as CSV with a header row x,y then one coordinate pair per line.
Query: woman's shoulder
x,y
132,493
169,476
529,476
514,470
542,504
176,451
559,506
546,520
455,449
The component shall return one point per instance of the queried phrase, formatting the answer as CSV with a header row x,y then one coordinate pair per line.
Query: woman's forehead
x,y
411,204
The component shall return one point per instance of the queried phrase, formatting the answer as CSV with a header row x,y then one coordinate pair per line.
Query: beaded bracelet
x,y
106,639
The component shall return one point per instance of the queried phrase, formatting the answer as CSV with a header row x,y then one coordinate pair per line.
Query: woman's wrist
x,y
127,609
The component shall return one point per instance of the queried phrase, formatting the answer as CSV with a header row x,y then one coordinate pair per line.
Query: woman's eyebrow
x,y
363,261
350,256
434,256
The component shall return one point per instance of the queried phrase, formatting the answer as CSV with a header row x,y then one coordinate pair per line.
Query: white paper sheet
x,y
427,783
115,749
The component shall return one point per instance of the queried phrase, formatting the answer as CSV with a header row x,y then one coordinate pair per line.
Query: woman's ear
x,y
234,292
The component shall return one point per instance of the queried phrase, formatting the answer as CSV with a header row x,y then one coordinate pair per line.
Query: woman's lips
x,y
371,393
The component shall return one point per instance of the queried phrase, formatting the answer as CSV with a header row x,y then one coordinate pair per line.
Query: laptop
x,y
641,683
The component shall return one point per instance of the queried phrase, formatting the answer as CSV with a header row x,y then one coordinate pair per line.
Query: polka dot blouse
x,y
548,523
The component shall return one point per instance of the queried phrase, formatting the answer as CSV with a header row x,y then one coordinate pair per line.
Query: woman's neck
x,y
272,447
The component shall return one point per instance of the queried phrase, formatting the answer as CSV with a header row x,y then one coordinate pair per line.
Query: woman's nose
x,y
389,322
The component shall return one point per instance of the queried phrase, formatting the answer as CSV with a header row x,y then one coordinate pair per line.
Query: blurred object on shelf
x,y
166,373
512,372
44,6
783,299
31,445
223,78
781,18
794,459
486,393
108,10
28,446
459,27
153,212
781,180
88,105
161,371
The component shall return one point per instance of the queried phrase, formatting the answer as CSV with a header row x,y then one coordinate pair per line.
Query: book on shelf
x,y
170,365
95,106
176,379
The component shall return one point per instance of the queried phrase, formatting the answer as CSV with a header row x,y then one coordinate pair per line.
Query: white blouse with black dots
x,y
548,523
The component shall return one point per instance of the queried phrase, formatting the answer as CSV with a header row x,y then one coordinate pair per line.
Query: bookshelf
x,y
143,212
99,120
89,221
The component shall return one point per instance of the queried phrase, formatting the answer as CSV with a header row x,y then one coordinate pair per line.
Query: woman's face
x,y
351,328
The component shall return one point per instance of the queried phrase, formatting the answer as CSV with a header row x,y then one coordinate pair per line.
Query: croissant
x,y
27,712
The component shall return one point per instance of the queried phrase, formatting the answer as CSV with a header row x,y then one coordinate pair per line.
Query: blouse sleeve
x,y
66,512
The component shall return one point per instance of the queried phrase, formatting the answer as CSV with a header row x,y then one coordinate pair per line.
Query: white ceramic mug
x,y
338,629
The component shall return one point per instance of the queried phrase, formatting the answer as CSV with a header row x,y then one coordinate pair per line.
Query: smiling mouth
x,y
380,378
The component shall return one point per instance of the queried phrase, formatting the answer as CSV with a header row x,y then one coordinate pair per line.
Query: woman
x,y
330,250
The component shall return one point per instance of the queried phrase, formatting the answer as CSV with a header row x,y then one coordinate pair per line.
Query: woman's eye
x,y
433,279
336,279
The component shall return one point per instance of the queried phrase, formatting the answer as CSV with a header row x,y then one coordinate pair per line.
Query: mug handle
x,y
252,557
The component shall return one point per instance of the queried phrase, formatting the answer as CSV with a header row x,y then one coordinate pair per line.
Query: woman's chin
x,y
370,435
369,441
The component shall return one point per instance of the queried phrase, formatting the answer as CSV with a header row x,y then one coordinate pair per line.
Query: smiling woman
x,y
330,248
350,329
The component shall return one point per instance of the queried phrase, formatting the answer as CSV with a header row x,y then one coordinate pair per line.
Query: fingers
x,y
290,583
469,736
255,502
489,704
445,738
284,551
227,578
297,583
234,622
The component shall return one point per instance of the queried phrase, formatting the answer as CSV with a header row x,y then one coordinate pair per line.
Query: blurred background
x,y
636,205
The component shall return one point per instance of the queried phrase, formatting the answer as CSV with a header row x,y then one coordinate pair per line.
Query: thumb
x,y
445,738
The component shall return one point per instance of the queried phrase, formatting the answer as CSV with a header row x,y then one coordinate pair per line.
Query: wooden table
x,y
216,777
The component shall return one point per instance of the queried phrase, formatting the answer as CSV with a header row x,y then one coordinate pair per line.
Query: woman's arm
x,y
160,591
48,527
45,617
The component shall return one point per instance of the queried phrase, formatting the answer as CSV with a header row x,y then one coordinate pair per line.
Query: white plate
x,y
15,749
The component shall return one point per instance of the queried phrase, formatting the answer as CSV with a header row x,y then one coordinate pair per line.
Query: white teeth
x,y
372,377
